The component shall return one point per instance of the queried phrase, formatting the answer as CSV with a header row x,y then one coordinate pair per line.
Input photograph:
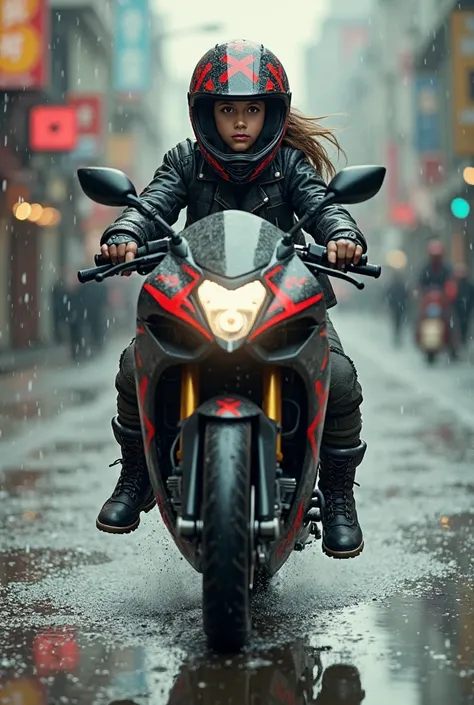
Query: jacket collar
x,y
272,173
255,196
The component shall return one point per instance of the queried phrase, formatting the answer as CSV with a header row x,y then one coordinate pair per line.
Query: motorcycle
x,y
433,333
232,372
286,674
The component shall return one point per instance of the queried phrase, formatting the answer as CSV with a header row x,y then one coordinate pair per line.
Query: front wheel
x,y
226,549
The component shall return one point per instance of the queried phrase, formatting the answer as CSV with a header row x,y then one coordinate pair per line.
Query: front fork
x,y
272,399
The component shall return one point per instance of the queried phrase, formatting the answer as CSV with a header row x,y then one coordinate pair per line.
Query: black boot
x,y
133,493
342,535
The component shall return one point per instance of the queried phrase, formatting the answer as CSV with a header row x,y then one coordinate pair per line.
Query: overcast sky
x,y
285,27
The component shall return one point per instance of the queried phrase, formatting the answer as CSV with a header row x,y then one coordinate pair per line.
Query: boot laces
x,y
133,469
338,497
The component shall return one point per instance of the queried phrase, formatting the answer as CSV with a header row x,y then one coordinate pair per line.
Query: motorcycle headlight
x,y
231,313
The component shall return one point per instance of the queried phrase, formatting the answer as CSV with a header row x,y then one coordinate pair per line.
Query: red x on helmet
x,y
239,70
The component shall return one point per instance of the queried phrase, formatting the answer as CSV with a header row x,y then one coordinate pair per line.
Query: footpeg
x,y
315,506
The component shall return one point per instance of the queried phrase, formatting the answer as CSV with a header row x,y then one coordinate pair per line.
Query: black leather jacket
x,y
288,187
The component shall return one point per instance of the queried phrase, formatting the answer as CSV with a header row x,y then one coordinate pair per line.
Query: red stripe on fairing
x,y
285,301
174,305
150,429
322,395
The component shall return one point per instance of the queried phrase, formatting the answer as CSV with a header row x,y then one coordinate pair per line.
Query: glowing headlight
x,y
231,313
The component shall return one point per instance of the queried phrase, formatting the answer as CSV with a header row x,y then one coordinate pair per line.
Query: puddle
x,y
32,565
415,649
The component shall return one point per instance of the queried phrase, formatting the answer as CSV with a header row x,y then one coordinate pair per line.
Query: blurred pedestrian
x,y
95,300
397,300
60,307
464,301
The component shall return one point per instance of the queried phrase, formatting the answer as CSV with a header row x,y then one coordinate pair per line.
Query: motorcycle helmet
x,y
239,70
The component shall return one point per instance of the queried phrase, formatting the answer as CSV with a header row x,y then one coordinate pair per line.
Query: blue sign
x,y
132,70
427,118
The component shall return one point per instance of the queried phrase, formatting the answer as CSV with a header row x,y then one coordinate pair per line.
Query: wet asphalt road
x,y
90,619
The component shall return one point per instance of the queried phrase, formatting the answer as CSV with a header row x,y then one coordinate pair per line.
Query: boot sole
x,y
109,529
343,555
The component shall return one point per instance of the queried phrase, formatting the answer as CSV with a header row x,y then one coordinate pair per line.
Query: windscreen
x,y
232,243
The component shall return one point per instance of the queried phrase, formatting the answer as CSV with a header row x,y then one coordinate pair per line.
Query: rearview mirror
x,y
110,187
356,184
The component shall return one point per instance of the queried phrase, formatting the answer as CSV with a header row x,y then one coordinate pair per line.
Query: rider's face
x,y
239,122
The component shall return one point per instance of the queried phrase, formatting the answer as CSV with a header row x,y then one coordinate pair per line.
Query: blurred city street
x,y
119,617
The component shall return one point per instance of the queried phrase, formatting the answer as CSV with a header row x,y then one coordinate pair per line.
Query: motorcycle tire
x,y
430,358
226,549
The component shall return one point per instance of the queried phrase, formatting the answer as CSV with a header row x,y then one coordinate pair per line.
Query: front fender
x,y
230,409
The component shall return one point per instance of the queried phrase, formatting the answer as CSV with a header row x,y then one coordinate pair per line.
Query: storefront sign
x,y
24,53
462,53
132,71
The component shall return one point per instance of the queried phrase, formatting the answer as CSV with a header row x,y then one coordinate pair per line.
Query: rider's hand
x,y
125,252
343,253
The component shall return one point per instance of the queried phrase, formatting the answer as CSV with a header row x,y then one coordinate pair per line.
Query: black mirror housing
x,y
356,184
110,187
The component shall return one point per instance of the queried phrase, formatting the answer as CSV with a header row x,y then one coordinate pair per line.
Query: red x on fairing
x,y
228,406
236,65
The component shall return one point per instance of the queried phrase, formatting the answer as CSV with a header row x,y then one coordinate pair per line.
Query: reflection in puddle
x,y
415,650
58,665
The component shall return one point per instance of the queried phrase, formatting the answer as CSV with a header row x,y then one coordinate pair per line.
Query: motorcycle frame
x,y
170,291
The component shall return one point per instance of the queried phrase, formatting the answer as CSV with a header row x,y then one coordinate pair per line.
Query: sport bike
x,y
232,372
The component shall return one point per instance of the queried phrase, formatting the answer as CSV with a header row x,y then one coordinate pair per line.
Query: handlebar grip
x,y
152,248
368,270
88,275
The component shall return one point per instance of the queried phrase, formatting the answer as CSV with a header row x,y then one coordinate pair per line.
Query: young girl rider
x,y
253,153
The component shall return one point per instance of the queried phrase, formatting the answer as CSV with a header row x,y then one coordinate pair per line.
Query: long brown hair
x,y
305,133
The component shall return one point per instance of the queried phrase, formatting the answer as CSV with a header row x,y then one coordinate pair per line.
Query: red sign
x,y
53,128
432,171
88,113
24,34
403,214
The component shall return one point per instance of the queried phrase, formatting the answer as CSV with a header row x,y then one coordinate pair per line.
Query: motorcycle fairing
x,y
172,287
294,289
170,292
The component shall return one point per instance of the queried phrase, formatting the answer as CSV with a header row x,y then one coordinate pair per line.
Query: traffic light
x,y
460,208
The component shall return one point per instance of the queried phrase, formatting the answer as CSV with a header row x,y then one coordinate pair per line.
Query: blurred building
x,y
407,87
80,82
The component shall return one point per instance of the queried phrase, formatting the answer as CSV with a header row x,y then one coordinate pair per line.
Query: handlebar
x,y
317,254
151,254
103,265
